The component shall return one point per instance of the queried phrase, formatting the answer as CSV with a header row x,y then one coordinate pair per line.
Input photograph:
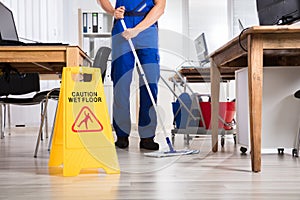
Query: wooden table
x,y
257,47
43,59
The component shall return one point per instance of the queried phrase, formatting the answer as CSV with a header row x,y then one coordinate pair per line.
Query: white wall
x,y
245,10
71,17
172,20
38,20
209,17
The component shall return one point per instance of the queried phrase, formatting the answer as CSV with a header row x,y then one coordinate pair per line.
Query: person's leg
x,y
122,68
147,116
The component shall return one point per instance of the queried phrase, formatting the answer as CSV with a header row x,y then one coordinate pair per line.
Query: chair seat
x,y
20,101
52,94
36,99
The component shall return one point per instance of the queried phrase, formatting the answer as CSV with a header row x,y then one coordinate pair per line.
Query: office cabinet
x,y
94,30
280,110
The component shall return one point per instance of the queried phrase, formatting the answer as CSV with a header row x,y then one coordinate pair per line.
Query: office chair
x,y
100,61
17,84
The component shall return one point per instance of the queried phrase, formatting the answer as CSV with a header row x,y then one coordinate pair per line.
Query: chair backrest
x,y
16,84
101,59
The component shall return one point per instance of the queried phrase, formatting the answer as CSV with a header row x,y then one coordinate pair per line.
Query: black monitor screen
x,y
278,12
7,24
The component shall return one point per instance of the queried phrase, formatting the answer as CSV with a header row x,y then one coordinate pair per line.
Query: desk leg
x,y
255,77
215,93
73,57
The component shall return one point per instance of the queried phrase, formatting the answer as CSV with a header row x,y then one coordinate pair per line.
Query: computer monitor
x,y
278,12
201,49
8,31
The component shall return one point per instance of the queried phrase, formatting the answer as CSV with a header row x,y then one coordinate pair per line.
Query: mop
x,y
172,151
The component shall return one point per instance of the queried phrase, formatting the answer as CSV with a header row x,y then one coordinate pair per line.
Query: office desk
x,y
265,46
43,59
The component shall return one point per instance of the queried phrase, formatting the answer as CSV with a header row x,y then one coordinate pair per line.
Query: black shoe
x,y
122,142
148,143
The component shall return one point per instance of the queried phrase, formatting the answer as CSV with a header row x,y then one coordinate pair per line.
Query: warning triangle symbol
x,y
86,121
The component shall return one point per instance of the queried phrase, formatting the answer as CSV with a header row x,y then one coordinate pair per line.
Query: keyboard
x,y
19,43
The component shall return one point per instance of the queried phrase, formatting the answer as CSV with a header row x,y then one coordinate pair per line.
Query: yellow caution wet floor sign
x,y
82,133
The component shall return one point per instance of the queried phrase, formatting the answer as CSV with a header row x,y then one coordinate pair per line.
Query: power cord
x,y
240,42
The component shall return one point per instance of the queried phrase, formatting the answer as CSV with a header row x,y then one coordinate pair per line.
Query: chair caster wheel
x,y
295,153
280,151
222,142
243,150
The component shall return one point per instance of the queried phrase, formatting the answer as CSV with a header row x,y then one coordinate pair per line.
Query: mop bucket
x,y
180,114
177,115
226,112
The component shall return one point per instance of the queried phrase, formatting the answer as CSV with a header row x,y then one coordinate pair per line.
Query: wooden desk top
x,y
232,55
42,59
200,75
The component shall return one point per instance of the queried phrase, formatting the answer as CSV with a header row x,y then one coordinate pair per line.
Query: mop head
x,y
160,154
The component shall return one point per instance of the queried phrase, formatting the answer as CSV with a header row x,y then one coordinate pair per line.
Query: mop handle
x,y
147,87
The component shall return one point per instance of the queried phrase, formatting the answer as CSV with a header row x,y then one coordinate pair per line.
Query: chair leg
x,y
51,136
9,119
53,126
1,123
6,110
42,122
4,117
43,111
46,124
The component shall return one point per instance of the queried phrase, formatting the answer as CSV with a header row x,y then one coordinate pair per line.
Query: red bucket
x,y
226,112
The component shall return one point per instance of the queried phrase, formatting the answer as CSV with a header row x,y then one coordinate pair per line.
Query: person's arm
x,y
150,19
117,13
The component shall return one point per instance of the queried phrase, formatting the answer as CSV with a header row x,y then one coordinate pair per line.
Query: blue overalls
x,y
123,63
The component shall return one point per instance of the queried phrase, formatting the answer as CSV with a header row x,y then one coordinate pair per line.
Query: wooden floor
x,y
223,175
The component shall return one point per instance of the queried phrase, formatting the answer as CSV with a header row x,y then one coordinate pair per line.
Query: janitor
x,y
140,17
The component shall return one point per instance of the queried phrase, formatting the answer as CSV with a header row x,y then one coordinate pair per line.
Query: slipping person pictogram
x,y
85,120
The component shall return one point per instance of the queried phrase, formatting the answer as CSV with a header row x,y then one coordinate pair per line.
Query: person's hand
x,y
130,33
119,12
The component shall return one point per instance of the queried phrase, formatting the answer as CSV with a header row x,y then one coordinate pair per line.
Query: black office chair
x,y
17,84
101,60
14,83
